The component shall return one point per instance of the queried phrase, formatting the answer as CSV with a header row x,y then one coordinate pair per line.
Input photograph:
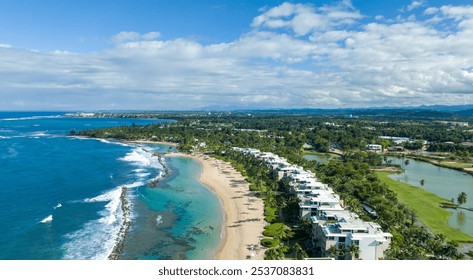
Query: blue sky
x,y
183,54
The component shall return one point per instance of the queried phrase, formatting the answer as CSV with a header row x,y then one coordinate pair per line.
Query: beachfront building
x,y
350,230
332,224
317,201
374,147
300,176
251,151
305,188
396,140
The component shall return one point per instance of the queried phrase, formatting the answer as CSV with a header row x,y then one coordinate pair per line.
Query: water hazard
x,y
444,182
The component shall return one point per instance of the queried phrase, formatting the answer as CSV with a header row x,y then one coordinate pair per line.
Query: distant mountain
x,y
465,113
445,108
421,112
429,112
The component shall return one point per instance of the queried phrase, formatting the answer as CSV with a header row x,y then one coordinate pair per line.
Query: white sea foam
x,y
4,137
113,194
97,238
101,140
142,175
32,118
145,160
94,241
113,142
160,175
48,219
159,220
59,205
38,134
142,158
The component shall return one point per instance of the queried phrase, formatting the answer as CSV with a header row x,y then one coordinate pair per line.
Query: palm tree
x,y
282,232
273,254
354,250
343,250
300,253
461,199
332,251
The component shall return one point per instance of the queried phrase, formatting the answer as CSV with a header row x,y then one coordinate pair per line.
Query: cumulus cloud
x,y
296,55
127,36
414,5
303,19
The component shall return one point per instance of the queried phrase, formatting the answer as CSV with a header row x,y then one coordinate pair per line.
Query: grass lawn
x,y
426,206
455,164
462,166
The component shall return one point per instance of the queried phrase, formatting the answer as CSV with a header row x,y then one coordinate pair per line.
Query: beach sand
x,y
244,218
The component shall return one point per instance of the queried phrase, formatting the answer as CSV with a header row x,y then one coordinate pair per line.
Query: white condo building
x,y
349,229
332,224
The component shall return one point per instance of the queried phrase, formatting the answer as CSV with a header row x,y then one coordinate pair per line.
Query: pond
x,y
320,157
444,182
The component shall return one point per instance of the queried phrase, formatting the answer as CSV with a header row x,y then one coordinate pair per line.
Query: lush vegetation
x,y
351,176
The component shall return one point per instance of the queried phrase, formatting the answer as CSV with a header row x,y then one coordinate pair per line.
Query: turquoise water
x,y
181,219
444,182
60,195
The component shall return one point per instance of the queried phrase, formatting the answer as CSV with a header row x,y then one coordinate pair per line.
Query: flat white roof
x,y
338,214
332,207
327,199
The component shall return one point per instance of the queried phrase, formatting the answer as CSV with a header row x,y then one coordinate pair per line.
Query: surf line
x,y
123,232
161,160
126,209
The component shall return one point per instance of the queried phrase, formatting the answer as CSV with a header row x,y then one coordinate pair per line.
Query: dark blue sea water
x,y
60,195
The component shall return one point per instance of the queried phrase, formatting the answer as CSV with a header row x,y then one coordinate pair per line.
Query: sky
x,y
68,55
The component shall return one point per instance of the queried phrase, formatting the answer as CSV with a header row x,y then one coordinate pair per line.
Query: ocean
x,y
64,197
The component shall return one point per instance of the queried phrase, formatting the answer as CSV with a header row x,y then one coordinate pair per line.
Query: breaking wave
x,y
48,219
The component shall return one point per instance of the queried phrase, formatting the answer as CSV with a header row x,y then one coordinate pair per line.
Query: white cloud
x,y
296,56
127,36
304,19
431,10
415,5
151,36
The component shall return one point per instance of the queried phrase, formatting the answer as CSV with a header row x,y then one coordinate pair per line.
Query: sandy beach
x,y
244,218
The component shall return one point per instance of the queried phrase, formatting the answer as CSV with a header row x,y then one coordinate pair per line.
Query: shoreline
x,y
243,222
152,142
124,228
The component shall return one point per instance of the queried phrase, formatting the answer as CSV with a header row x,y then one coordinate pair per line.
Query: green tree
x,y
274,254
332,251
461,199
300,253
354,251
343,250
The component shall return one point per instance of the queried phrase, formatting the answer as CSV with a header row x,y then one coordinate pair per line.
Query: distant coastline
x,y
152,142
